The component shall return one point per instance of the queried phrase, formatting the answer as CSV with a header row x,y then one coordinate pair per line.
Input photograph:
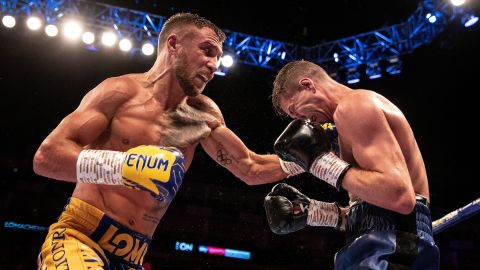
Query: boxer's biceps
x,y
85,127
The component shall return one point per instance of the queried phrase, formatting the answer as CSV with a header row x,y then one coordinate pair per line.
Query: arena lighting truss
x,y
384,45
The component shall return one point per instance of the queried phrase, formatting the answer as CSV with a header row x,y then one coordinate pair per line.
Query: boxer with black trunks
x,y
128,145
388,223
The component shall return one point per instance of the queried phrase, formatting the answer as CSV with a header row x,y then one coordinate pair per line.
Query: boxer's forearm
x,y
383,188
264,169
228,150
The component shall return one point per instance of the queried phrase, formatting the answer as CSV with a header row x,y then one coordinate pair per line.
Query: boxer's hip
x,y
378,238
92,227
363,217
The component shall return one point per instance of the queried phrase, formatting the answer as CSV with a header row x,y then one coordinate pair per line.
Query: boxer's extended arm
x,y
57,155
228,150
381,175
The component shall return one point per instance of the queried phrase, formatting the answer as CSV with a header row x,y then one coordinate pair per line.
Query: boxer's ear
x,y
306,84
172,41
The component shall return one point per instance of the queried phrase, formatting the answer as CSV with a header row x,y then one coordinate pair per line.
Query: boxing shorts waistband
x,y
363,217
119,243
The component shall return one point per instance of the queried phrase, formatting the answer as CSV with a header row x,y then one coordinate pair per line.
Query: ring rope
x,y
456,216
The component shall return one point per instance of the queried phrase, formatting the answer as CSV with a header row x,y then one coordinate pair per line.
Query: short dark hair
x,y
285,83
182,19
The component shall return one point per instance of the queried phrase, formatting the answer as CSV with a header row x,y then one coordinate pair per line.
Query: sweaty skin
x,y
389,135
182,127
163,106
374,135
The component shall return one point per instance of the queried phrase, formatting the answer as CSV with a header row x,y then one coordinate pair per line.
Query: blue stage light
x,y
353,75
394,65
373,70
432,18
469,20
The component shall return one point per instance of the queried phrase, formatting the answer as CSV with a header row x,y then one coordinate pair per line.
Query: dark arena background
x,y
43,78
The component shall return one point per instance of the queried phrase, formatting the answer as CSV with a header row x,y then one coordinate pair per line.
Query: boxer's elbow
x,y
399,195
40,161
404,201
405,207
42,164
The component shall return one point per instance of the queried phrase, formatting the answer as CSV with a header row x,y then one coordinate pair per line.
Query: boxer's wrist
x,y
330,169
324,214
290,168
100,167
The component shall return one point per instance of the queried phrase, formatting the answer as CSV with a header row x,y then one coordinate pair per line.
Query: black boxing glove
x,y
305,143
288,210
280,211
291,168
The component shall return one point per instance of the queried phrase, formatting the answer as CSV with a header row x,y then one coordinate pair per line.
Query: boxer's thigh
x,y
369,251
68,249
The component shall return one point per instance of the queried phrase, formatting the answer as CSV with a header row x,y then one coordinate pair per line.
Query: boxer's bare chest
x,y
147,123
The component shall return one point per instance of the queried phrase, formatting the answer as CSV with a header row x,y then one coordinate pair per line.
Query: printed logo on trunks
x,y
58,250
123,245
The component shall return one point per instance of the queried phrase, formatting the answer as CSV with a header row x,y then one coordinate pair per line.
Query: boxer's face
x,y
303,104
197,59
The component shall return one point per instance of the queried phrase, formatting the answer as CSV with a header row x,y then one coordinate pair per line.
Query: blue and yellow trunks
x,y
85,238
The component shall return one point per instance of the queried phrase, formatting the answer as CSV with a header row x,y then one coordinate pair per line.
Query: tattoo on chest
x,y
151,219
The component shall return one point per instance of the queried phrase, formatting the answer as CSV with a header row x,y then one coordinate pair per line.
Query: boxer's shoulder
x,y
202,102
206,105
112,91
356,107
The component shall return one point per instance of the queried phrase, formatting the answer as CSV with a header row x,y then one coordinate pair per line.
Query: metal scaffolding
x,y
365,48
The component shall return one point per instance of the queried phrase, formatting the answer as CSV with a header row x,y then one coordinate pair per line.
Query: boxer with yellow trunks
x,y
108,147
84,237
98,242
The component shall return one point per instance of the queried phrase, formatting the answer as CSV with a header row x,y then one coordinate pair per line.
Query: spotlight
x,y
125,45
335,56
109,38
373,70
72,30
34,23
148,48
457,2
431,17
469,20
51,30
88,38
394,65
227,60
9,21
353,75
